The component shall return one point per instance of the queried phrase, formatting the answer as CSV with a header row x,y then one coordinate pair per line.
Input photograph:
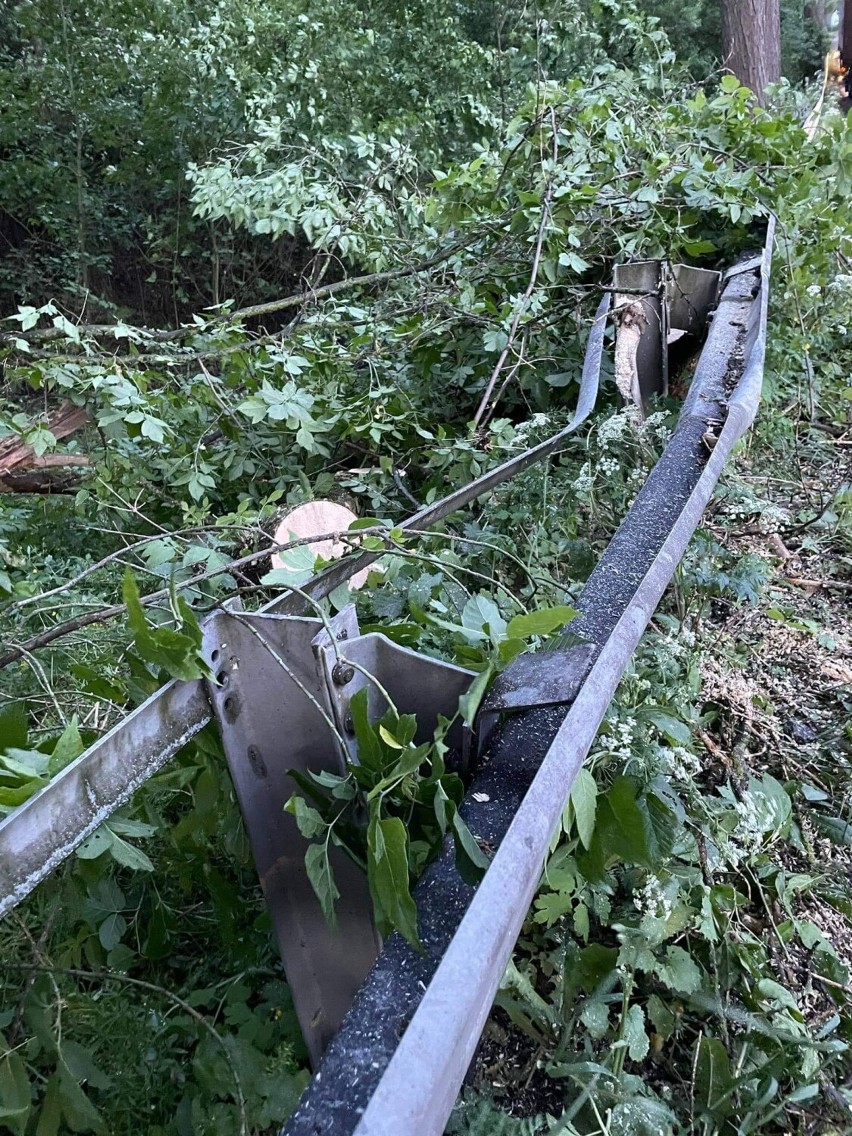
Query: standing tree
x,y
751,42
846,34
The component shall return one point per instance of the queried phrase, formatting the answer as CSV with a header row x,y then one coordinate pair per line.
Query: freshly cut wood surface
x,y
14,451
316,518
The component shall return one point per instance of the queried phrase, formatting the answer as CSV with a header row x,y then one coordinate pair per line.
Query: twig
x,y
513,330
18,651
801,582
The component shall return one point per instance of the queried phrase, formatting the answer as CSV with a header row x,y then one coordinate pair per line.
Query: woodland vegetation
x,y
254,253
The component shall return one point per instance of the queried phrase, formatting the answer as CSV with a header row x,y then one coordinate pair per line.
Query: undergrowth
x,y
685,965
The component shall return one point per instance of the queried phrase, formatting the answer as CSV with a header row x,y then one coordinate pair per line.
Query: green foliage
x,y
176,650
695,34
159,160
108,105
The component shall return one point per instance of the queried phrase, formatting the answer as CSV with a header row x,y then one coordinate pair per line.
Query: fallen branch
x,y
47,480
99,331
61,630
521,308
15,452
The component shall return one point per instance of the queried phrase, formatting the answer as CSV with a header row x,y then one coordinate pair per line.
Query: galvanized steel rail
x,y
395,1067
397,1063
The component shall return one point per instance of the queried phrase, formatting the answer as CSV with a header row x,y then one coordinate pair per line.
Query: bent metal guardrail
x,y
395,1065
43,831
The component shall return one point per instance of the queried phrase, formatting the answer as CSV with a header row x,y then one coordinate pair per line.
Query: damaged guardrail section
x,y
395,1065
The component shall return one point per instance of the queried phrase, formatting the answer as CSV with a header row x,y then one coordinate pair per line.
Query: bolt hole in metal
x,y
222,678
214,655
256,761
231,708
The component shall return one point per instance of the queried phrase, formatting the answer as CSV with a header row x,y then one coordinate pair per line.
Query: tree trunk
x,y
751,42
846,34
817,12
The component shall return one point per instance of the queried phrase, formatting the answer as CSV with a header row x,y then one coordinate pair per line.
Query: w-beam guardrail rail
x,y
409,1030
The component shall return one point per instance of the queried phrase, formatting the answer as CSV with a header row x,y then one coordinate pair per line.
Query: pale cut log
x,y
316,518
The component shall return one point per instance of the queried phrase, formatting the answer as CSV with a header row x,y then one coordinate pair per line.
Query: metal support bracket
x,y
659,298
548,678
281,684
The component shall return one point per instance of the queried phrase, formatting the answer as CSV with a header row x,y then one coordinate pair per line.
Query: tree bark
x,y
846,34
817,12
16,454
751,42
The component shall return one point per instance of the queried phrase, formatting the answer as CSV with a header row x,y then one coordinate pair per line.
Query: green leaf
x,y
411,760
471,861
79,1112
595,1017
633,1032
551,906
11,798
661,826
662,1018
624,834
471,700
444,808
318,867
581,922
176,651
310,823
81,1065
713,1080
387,872
481,619
370,752
128,855
835,828
388,738
540,622
583,799
111,930
50,1116
15,1095
27,763
95,845
69,746
13,726
677,732
679,972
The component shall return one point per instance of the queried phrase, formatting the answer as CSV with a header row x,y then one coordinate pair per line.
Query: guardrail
x,y
395,1066
398,1061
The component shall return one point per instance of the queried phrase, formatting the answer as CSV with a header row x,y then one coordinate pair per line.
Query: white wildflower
x,y
654,426
683,765
655,898
585,480
535,423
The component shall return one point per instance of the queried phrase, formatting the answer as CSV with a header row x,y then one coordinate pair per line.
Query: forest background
x,y
255,253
